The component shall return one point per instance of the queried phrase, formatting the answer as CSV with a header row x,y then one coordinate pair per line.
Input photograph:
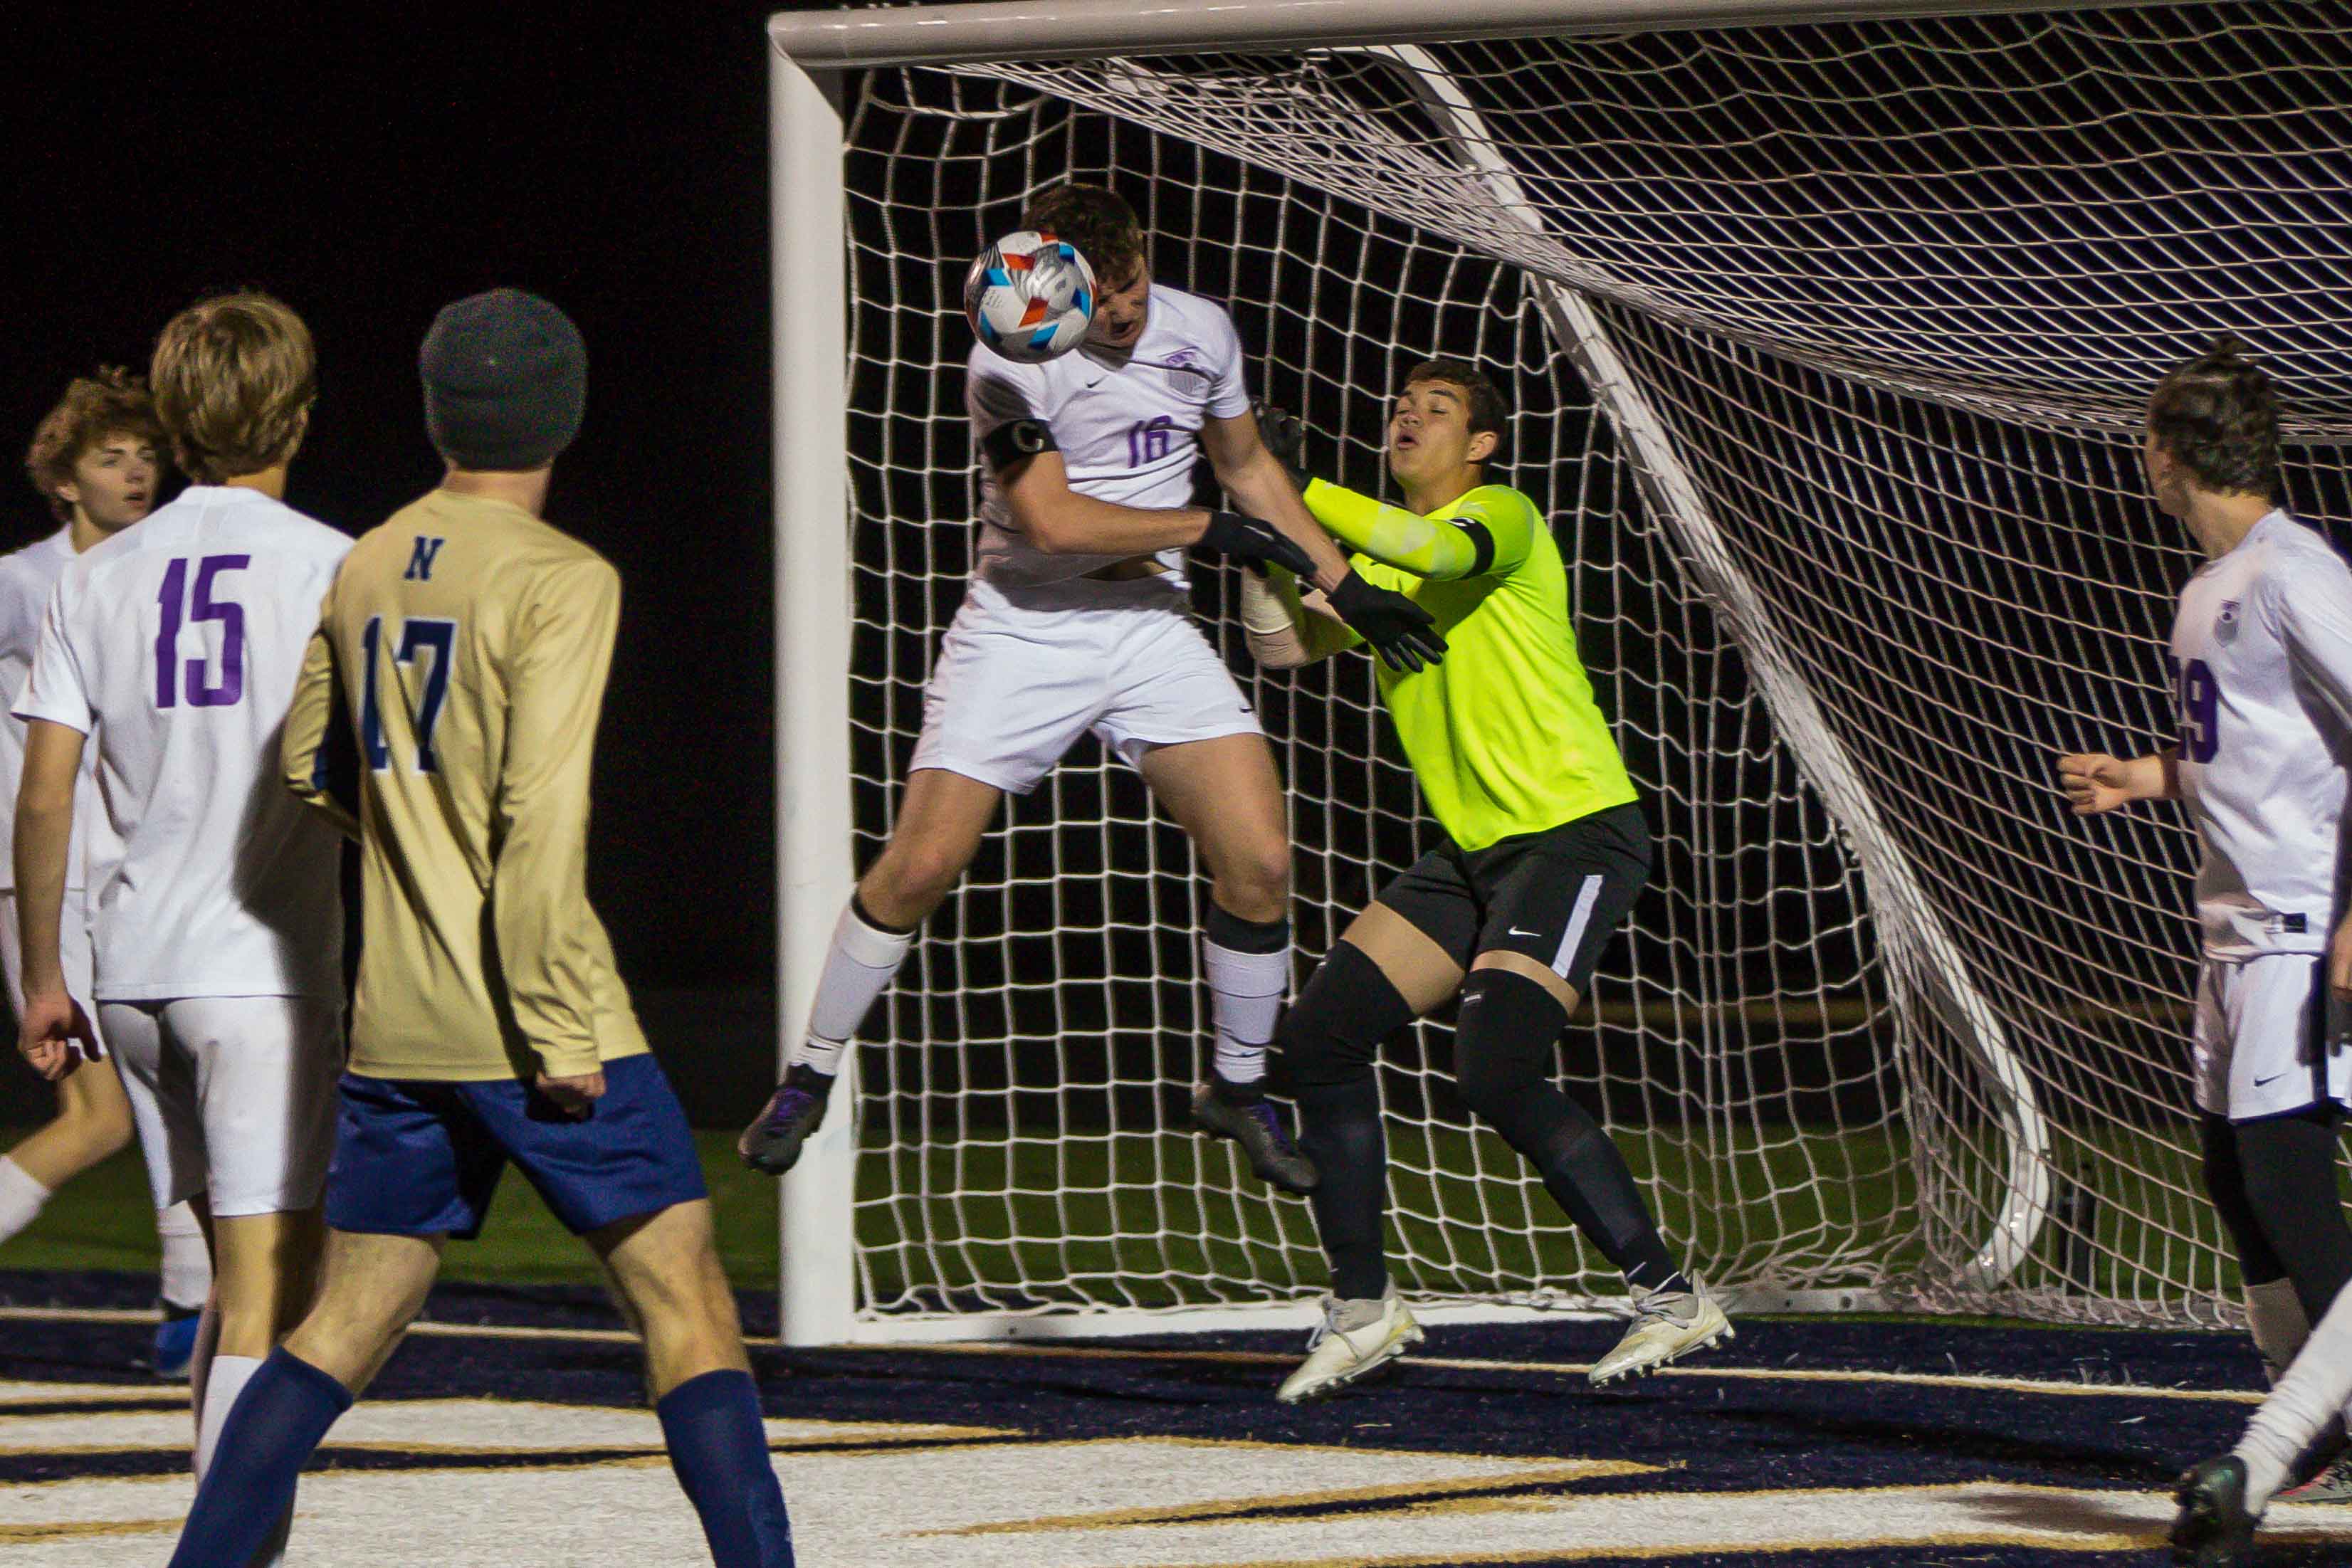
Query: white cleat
x,y
1356,1336
1667,1327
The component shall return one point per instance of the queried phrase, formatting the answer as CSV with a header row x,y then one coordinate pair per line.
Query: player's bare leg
x,y
667,1265
372,1288
942,816
266,1274
1225,796
92,1123
1424,974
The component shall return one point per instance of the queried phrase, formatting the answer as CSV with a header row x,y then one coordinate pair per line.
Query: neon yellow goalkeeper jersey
x,y
1504,735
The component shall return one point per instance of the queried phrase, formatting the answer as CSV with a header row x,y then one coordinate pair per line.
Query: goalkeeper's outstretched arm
x,y
1486,531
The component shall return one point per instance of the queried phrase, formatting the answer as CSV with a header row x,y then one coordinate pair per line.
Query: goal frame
x,y
807,54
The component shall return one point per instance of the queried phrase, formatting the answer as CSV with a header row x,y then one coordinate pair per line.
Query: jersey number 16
x,y
416,636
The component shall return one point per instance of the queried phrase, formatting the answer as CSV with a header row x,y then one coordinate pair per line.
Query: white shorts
x,y
2270,1039
235,1097
73,951
1016,685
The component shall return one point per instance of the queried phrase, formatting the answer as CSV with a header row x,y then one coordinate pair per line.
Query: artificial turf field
x,y
512,1430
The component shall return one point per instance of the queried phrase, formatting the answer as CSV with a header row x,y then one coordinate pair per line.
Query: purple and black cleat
x,y
772,1142
1245,1114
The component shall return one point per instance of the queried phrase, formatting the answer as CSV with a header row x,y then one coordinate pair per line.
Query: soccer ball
x,y
1030,296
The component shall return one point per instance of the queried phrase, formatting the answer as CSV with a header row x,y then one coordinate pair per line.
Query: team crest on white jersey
x,y
1188,378
2225,624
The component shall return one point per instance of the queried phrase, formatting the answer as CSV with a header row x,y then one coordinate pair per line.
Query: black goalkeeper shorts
x,y
1554,895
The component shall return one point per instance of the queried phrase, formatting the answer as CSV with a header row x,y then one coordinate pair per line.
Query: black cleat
x,y
2214,1529
1226,1109
772,1142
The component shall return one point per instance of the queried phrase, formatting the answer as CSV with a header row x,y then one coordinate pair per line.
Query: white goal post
x,y
1856,1013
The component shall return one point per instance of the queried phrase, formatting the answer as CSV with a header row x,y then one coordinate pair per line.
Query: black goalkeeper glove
x,y
1402,632
1253,543
1283,435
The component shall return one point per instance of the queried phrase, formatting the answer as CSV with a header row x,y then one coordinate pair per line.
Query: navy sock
x,y
720,1449
275,1426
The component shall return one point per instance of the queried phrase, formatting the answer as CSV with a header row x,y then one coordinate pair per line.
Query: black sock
x,y
2289,1166
2225,1185
1502,1053
1339,1129
1327,1043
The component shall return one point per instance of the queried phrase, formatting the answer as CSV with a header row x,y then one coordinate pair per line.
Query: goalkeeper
x,y
1547,849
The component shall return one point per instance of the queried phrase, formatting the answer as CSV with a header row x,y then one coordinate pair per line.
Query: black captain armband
x,y
1017,441
1482,546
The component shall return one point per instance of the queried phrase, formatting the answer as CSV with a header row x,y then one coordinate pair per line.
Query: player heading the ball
x,y
1546,849
1077,622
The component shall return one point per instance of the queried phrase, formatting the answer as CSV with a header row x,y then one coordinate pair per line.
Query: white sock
x,y
21,1198
2274,1317
858,967
200,1360
229,1376
818,1055
186,1278
2314,1390
1245,992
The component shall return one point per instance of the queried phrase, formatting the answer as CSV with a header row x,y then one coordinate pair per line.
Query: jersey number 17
x,y
417,637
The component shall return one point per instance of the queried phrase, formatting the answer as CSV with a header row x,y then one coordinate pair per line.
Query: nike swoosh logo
x,y
1520,931
2272,1079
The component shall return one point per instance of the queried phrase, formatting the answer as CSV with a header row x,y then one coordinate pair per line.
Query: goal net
x,y
1826,348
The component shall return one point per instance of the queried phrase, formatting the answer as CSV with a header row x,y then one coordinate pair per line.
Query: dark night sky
x,y
612,158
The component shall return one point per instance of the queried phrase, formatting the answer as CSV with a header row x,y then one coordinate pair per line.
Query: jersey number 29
x,y
416,637
2198,695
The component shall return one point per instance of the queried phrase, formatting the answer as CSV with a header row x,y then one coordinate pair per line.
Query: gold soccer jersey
x,y
468,643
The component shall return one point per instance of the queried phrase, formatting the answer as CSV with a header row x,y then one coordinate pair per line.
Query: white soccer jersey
x,y
2261,667
1127,425
177,642
27,577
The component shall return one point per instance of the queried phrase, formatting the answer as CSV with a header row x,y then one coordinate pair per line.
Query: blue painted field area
x,y
513,1431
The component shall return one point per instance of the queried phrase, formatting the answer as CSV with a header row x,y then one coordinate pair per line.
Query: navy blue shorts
x,y
421,1157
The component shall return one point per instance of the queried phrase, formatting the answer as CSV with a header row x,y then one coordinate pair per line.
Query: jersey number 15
x,y
416,636
172,675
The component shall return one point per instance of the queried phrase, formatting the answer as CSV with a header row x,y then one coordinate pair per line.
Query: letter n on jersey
x,y
420,560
